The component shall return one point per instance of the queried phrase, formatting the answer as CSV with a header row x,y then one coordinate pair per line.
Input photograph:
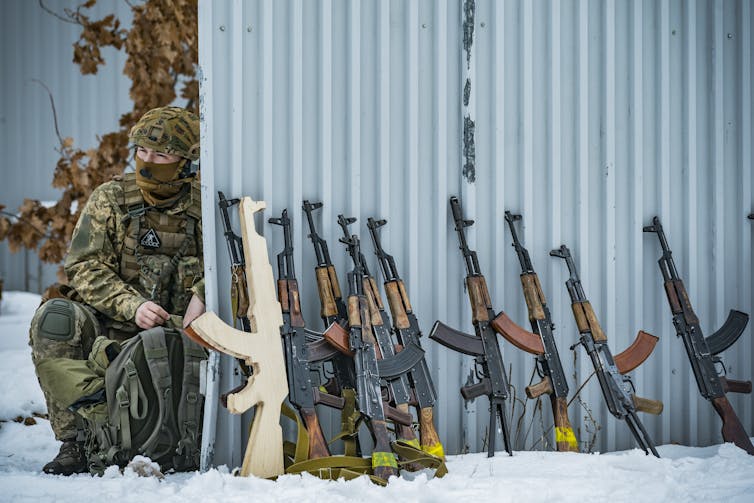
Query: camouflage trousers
x,y
62,328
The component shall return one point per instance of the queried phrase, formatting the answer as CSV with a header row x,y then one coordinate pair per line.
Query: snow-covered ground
x,y
717,473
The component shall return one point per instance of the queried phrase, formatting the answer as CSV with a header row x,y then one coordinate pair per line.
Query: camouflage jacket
x,y
117,252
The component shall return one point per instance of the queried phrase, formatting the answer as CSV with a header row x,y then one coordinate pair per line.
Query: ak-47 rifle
x,y
368,389
239,294
540,343
493,381
406,328
702,352
617,388
333,309
336,317
301,355
398,385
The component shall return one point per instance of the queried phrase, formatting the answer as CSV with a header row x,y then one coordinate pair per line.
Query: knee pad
x,y
56,320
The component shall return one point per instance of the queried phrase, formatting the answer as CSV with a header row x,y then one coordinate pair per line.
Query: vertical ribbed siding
x,y
38,46
590,118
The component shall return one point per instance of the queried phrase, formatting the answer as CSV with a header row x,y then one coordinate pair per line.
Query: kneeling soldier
x,y
135,261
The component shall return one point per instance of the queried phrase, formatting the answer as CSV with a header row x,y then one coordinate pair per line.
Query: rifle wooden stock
x,y
733,386
396,301
586,320
636,353
565,439
522,339
539,389
733,430
326,289
649,406
317,443
337,336
533,296
430,440
479,298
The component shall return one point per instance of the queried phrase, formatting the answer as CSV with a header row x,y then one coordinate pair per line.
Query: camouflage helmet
x,y
170,130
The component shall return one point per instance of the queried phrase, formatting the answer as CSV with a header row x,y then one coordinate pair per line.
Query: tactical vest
x,y
162,254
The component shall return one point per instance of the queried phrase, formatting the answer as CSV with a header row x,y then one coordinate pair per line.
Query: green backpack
x,y
148,402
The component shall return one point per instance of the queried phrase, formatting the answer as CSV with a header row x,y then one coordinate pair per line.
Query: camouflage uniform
x,y
123,253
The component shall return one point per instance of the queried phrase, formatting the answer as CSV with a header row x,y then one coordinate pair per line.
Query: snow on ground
x,y
716,473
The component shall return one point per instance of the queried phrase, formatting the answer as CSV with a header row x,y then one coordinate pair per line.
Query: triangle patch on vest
x,y
150,240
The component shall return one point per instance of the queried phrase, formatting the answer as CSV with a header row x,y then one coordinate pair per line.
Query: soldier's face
x,y
149,155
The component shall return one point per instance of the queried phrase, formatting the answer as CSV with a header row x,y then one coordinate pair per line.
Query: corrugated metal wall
x,y
589,118
36,45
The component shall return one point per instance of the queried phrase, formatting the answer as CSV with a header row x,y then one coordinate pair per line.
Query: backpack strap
x,y
190,405
157,358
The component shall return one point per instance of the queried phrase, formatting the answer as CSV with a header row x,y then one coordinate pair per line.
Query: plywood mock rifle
x,y
702,351
541,343
260,349
483,346
617,387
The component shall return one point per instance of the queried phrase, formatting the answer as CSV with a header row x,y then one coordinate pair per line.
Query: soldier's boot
x,y
71,459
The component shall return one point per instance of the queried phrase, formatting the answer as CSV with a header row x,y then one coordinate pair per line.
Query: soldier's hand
x,y
194,309
150,315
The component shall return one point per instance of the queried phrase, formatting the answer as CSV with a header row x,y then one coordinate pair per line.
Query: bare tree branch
x,y
52,12
54,112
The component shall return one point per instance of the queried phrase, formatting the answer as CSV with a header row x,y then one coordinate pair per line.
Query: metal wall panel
x,y
589,118
36,45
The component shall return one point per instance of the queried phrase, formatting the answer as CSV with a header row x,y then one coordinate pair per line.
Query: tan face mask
x,y
159,183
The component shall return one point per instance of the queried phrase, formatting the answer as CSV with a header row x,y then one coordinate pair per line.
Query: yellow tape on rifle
x,y
412,442
436,450
566,435
384,459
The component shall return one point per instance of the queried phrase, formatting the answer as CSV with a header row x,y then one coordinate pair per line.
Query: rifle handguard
x,y
396,303
539,389
646,405
586,320
522,339
325,288
733,386
470,392
636,353
479,297
533,296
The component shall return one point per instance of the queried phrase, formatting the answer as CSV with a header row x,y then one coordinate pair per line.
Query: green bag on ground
x,y
138,397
